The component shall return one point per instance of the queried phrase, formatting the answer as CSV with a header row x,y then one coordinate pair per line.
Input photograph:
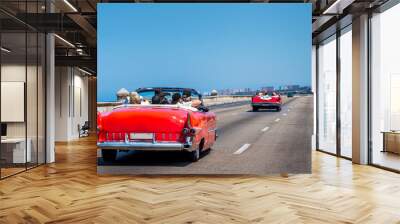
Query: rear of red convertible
x,y
266,102
148,128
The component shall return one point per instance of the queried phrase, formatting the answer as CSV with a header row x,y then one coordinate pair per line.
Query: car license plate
x,y
136,136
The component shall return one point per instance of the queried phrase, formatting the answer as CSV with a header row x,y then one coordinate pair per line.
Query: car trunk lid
x,y
147,123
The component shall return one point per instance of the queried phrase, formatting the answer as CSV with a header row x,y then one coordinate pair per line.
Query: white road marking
x,y
284,114
278,119
265,129
242,149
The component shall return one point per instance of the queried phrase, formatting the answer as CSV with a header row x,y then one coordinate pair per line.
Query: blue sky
x,y
202,46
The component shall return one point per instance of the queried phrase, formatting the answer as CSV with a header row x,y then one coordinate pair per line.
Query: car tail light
x,y
100,136
189,131
100,132
104,136
168,137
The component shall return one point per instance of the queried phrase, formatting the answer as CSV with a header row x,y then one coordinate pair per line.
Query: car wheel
x,y
109,154
255,108
195,155
278,109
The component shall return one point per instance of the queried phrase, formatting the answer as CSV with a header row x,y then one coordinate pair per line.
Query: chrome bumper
x,y
146,146
266,104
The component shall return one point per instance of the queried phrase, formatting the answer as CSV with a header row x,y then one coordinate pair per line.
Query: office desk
x,y
391,141
16,147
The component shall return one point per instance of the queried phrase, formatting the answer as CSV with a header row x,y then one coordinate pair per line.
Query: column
x,y
360,90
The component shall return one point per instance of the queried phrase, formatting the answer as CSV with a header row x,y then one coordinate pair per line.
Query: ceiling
x,y
75,21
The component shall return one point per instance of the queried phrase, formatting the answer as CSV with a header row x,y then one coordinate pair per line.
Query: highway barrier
x,y
217,100
207,100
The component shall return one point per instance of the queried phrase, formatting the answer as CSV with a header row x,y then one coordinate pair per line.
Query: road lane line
x,y
265,129
278,119
242,149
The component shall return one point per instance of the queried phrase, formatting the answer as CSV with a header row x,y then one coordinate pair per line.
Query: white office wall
x,y
62,82
13,101
71,102
14,73
33,127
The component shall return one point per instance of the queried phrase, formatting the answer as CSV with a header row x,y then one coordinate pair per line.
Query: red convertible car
x,y
268,100
155,127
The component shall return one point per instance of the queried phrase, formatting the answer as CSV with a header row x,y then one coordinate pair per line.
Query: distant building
x,y
292,87
268,88
240,91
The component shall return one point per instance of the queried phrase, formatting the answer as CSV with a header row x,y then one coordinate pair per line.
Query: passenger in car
x,y
163,99
156,98
176,98
134,98
159,97
187,99
144,101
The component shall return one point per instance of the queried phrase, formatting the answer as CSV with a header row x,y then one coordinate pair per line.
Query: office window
x,y
327,95
385,87
346,92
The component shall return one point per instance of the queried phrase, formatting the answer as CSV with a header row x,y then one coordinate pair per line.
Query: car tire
x,y
255,108
278,109
109,154
195,155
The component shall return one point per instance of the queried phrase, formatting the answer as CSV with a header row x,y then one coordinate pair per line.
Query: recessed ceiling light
x,y
84,71
5,50
338,6
64,40
70,5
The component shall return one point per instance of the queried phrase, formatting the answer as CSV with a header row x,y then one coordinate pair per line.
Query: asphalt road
x,y
263,142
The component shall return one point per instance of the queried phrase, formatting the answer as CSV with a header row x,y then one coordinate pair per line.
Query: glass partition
x,y
327,95
31,97
13,92
22,92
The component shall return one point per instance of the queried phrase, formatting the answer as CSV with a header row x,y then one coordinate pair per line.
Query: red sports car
x,y
155,127
269,100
